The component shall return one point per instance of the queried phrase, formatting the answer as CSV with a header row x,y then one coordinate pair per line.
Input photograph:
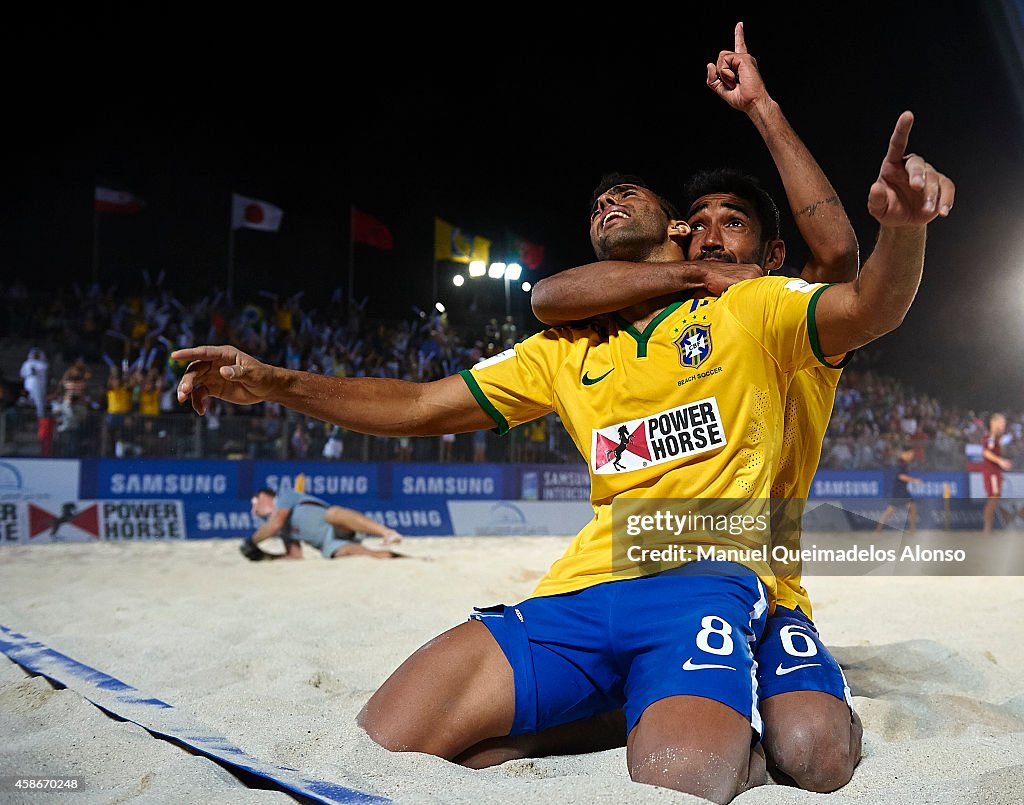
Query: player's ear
x,y
678,229
774,255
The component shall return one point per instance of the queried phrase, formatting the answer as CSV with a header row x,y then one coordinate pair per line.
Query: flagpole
x,y
351,256
95,245
231,253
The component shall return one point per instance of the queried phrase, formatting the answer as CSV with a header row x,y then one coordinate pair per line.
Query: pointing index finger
x,y
900,137
741,42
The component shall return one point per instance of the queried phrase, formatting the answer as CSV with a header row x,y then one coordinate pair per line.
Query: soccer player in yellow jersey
x,y
703,417
812,735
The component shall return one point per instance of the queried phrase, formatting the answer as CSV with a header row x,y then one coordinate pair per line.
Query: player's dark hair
x,y
738,183
266,490
610,180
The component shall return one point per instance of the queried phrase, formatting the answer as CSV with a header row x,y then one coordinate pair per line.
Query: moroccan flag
x,y
108,199
528,253
251,213
452,243
367,229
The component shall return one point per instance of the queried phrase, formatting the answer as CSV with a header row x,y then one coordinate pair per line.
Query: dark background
x,y
502,118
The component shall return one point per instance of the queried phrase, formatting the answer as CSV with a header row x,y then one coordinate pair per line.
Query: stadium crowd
x,y
114,396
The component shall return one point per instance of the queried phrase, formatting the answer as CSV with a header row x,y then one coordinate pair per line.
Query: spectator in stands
x,y
9,395
509,332
119,406
299,441
479,446
34,376
334,448
447,453
75,380
71,417
46,425
840,456
151,387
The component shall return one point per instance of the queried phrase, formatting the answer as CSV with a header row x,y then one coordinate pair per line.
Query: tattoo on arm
x,y
812,208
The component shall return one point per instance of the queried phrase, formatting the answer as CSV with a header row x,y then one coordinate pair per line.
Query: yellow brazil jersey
x,y
691,408
808,407
119,400
149,401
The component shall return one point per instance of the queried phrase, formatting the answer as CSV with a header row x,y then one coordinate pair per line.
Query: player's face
x,y
724,228
262,506
625,221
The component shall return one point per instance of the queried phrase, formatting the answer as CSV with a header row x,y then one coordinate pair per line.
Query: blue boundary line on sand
x,y
162,719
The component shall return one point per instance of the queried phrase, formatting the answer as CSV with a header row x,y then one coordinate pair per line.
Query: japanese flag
x,y
251,213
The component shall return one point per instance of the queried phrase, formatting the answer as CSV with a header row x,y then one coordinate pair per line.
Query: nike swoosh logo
x,y
780,671
590,381
690,665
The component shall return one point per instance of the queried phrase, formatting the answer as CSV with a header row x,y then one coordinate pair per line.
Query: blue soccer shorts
x,y
627,644
791,657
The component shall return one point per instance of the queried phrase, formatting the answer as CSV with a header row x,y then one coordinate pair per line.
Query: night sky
x,y
509,124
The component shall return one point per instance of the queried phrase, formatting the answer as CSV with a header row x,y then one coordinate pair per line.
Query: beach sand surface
x,y
279,657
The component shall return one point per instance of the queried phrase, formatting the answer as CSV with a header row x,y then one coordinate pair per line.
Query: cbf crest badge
x,y
694,345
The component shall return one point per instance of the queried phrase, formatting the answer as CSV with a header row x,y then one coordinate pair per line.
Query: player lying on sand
x,y
297,517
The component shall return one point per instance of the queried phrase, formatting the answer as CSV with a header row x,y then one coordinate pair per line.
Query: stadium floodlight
x,y
477,268
496,271
458,280
514,271
439,307
527,287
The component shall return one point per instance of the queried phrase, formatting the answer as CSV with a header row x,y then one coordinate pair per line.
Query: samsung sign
x,y
171,479
459,481
323,479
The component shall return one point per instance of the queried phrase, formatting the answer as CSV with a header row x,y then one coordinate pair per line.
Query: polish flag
x,y
108,199
251,213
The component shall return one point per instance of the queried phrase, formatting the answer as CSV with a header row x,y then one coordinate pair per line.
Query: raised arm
x,y
585,291
377,406
908,194
816,207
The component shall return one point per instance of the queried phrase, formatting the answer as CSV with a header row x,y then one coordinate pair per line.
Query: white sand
x,y
280,656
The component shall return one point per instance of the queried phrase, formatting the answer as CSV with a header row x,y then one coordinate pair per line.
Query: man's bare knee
x,y
693,770
694,745
452,693
815,752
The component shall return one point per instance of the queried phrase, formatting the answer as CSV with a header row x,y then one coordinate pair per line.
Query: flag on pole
x,y
251,213
526,252
367,229
457,245
107,199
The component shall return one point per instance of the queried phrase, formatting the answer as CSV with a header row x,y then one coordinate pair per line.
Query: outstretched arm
x,y
816,207
377,406
589,290
271,527
908,194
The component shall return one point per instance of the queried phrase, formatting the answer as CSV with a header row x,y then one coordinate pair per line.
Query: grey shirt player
x,y
300,518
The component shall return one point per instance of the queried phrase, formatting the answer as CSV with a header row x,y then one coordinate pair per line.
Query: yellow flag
x,y
457,245
300,483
